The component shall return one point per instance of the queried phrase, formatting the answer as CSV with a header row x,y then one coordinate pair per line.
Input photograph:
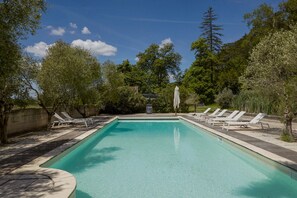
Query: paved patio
x,y
26,148
29,147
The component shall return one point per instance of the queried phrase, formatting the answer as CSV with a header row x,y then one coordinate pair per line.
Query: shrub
x,y
286,137
252,101
224,98
164,102
128,101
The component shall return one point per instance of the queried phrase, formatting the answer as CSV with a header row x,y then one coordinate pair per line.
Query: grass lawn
x,y
200,109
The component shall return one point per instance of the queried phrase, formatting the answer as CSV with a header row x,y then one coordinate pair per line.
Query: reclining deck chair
x,y
199,114
64,121
219,115
256,120
202,117
68,117
60,120
229,118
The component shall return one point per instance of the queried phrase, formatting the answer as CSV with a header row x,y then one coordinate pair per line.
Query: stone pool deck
x,y
17,179
19,175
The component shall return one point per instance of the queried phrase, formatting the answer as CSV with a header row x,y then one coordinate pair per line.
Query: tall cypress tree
x,y
211,31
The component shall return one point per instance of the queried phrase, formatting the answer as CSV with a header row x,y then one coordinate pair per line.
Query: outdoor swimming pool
x,y
156,158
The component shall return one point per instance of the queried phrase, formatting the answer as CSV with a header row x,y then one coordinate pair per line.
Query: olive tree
x,y
18,18
273,69
66,76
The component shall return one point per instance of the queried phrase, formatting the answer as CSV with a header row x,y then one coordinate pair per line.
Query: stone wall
x,y
24,120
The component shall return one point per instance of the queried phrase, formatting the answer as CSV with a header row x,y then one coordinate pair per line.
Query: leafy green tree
x,y
211,31
261,21
158,62
198,77
84,85
265,20
288,12
232,60
125,67
233,57
118,98
139,78
18,18
133,76
272,68
112,79
67,76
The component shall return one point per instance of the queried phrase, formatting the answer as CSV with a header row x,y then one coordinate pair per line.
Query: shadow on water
x,y
274,186
92,159
87,155
81,194
121,130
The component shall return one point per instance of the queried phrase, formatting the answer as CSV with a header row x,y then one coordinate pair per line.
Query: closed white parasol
x,y
176,99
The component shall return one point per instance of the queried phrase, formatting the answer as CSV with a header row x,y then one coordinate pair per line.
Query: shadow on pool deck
x,y
36,184
17,160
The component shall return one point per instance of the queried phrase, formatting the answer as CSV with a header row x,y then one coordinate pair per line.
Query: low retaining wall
x,y
24,120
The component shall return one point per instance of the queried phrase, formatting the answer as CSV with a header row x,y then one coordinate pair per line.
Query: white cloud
x,y
38,49
85,30
73,25
165,42
72,32
95,47
57,31
136,59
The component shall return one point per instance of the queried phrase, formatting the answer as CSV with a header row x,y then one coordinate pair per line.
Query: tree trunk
x,y
49,119
3,128
288,125
5,110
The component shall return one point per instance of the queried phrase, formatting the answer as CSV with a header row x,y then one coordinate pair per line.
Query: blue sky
x,y
119,29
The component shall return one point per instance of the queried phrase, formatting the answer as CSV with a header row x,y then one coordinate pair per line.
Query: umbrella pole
x,y
175,111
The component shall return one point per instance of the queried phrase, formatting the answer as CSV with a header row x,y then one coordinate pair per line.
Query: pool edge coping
x,y
257,150
62,179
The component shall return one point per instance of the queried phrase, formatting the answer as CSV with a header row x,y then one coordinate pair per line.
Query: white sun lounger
x,y
216,116
64,121
60,120
229,118
211,120
68,117
199,114
256,120
202,117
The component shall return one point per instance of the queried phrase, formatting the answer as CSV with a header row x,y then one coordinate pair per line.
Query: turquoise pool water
x,y
133,159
